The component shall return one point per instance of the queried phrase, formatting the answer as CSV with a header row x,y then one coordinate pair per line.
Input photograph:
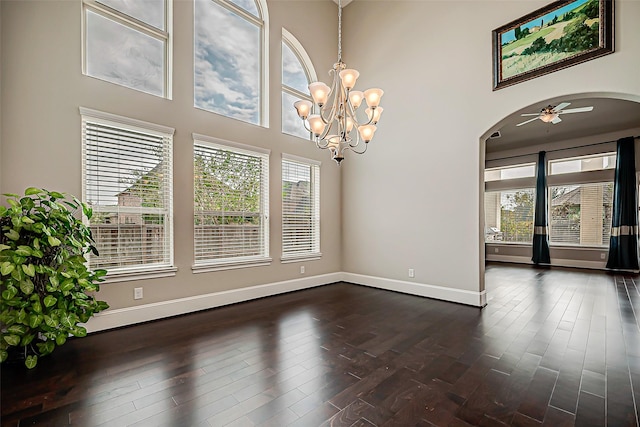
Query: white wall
x,y
43,86
413,200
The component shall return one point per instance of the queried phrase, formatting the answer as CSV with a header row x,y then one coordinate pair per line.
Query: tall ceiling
x,y
608,115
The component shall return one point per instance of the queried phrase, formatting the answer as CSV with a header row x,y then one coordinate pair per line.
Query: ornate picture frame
x,y
557,36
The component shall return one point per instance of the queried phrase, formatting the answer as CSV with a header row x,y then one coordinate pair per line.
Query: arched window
x,y
230,68
297,73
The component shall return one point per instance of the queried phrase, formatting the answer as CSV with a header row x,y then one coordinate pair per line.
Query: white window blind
x,y
231,202
128,183
581,214
300,208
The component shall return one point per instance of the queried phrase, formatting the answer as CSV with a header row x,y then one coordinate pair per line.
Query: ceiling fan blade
x,y
560,106
556,120
576,110
528,121
530,114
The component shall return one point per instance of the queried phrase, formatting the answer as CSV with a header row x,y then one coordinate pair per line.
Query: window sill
x,y
140,274
229,265
300,258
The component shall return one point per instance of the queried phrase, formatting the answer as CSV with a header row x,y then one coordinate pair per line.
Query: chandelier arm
x,y
321,146
304,123
353,148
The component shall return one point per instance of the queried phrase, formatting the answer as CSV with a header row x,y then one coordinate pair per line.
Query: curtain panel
x,y
623,243
541,221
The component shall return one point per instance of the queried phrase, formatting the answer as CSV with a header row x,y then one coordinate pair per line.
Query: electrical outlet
x,y
496,249
603,255
137,293
302,269
412,273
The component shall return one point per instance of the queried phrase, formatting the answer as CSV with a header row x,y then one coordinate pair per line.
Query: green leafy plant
x,y
46,290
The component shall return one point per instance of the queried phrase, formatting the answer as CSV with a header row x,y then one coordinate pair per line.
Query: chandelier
x,y
332,118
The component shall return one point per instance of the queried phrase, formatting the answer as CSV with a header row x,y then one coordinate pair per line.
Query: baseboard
x,y
110,319
474,298
555,262
119,317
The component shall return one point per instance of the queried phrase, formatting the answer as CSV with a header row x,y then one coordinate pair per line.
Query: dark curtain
x,y
623,243
540,222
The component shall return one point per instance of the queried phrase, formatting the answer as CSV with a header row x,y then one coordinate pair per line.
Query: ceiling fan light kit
x,y
551,114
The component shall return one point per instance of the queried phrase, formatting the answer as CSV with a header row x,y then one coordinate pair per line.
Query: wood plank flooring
x,y
554,347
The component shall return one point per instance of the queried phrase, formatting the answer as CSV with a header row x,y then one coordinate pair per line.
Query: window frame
x,y
166,36
262,22
228,263
506,188
140,271
598,176
574,245
314,253
305,61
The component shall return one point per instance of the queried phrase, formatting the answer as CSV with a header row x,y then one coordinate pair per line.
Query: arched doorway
x,y
614,115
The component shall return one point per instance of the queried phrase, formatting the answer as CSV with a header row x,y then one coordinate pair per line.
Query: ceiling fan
x,y
551,114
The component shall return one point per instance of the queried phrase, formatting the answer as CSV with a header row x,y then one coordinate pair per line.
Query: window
x,y
128,43
300,208
581,199
510,172
297,73
581,214
230,58
583,164
509,202
127,176
509,215
231,203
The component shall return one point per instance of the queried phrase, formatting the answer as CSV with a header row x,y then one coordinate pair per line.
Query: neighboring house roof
x,y
573,197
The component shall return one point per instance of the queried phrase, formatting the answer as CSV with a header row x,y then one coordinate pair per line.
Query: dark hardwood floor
x,y
554,347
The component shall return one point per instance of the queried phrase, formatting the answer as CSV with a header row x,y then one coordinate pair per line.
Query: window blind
x,y
581,214
300,208
128,184
230,204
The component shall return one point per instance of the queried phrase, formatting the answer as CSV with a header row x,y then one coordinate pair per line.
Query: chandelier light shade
x,y
333,118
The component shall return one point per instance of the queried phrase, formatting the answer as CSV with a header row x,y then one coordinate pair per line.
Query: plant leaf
x,y
79,331
31,191
27,286
17,329
26,340
35,320
23,250
53,241
61,339
29,270
6,268
50,301
12,234
27,220
31,361
13,340
50,321
66,320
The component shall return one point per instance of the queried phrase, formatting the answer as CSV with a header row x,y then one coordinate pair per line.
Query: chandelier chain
x,y
339,31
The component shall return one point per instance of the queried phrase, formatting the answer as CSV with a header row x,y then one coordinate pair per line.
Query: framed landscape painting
x,y
559,35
